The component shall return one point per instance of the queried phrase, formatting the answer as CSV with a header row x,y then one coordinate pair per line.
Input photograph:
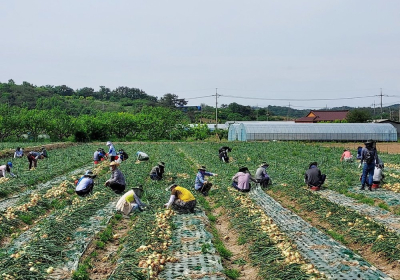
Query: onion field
x,y
282,232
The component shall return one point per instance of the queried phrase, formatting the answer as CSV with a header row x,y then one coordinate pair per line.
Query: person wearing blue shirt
x,y
19,153
112,153
201,184
33,157
85,184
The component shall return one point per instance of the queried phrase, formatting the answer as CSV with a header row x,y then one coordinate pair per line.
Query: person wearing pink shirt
x,y
346,156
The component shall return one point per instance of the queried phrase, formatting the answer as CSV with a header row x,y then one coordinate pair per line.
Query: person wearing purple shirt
x,y
201,184
241,180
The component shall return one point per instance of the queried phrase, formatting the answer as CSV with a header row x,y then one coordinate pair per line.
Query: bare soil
x,y
384,147
104,263
49,147
230,239
391,269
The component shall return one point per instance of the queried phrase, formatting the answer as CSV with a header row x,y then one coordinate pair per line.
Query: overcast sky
x,y
255,52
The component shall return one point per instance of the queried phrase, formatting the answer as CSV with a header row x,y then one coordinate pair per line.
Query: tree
x,y
172,101
358,116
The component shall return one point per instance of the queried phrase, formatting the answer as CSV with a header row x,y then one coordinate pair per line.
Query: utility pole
x,y
381,104
287,118
216,108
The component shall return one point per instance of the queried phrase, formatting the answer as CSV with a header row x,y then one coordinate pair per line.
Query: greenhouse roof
x,y
282,127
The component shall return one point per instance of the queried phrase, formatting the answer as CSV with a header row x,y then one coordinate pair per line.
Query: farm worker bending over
x,y
369,158
19,153
181,199
122,155
6,168
98,156
346,156
262,175
130,201
33,157
378,174
142,156
313,178
201,184
43,151
223,156
223,153
157,171
242,178
117,180
85,184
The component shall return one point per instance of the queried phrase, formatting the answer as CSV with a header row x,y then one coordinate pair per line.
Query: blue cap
x,y
9,164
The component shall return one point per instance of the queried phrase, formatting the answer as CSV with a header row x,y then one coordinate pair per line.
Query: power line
x,y
292,99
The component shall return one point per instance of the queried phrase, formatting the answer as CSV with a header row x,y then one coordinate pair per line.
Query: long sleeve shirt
x,y
243,180
18,154
3,171
112,151
84,183
117,177
313,177
364,152
157,171
200,179
261,173
96,156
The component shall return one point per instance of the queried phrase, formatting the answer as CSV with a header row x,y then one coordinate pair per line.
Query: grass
x,y
384,206
232,273
337,236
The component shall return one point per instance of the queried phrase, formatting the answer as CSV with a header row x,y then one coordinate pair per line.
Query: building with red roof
x,y
323,116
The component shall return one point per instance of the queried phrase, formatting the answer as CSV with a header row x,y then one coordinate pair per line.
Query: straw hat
x,y
161,163
202,168
264,164
170,187
114,163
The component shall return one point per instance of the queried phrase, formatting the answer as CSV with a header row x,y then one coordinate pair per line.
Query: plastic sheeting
x,y
312,131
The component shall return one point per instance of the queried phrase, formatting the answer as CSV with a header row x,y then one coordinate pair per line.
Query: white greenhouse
x,y
383,132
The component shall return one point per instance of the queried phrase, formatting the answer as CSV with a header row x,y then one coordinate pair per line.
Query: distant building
x,y
395,124
323,116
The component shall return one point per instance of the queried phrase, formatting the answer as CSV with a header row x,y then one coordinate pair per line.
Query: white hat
x,y
108,143
170,187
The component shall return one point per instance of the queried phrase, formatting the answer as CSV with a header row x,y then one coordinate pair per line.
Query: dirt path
x,y
390,148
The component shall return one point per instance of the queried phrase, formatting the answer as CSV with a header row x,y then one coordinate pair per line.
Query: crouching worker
x,y
181,199
262,176
201,184
313,178
157,171
85,184
117,180
141,156
241,180
378,176
33,158
130,201
6,168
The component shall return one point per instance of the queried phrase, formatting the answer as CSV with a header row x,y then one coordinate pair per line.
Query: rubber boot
x,y
369,188
362,187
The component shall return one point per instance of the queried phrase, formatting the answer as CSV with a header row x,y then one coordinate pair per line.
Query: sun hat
x,y
88,173
108,143
264,164
170,187
114,163
10,164
202,168
161,163
313,163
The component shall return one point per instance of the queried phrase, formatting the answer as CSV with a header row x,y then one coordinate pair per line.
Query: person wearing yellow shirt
x,y
181,199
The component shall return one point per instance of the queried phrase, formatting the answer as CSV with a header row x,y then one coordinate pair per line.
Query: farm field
x,y
284,232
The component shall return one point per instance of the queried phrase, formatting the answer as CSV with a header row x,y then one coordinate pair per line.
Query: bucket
x,y
315,188
96,162
138,191
375,186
